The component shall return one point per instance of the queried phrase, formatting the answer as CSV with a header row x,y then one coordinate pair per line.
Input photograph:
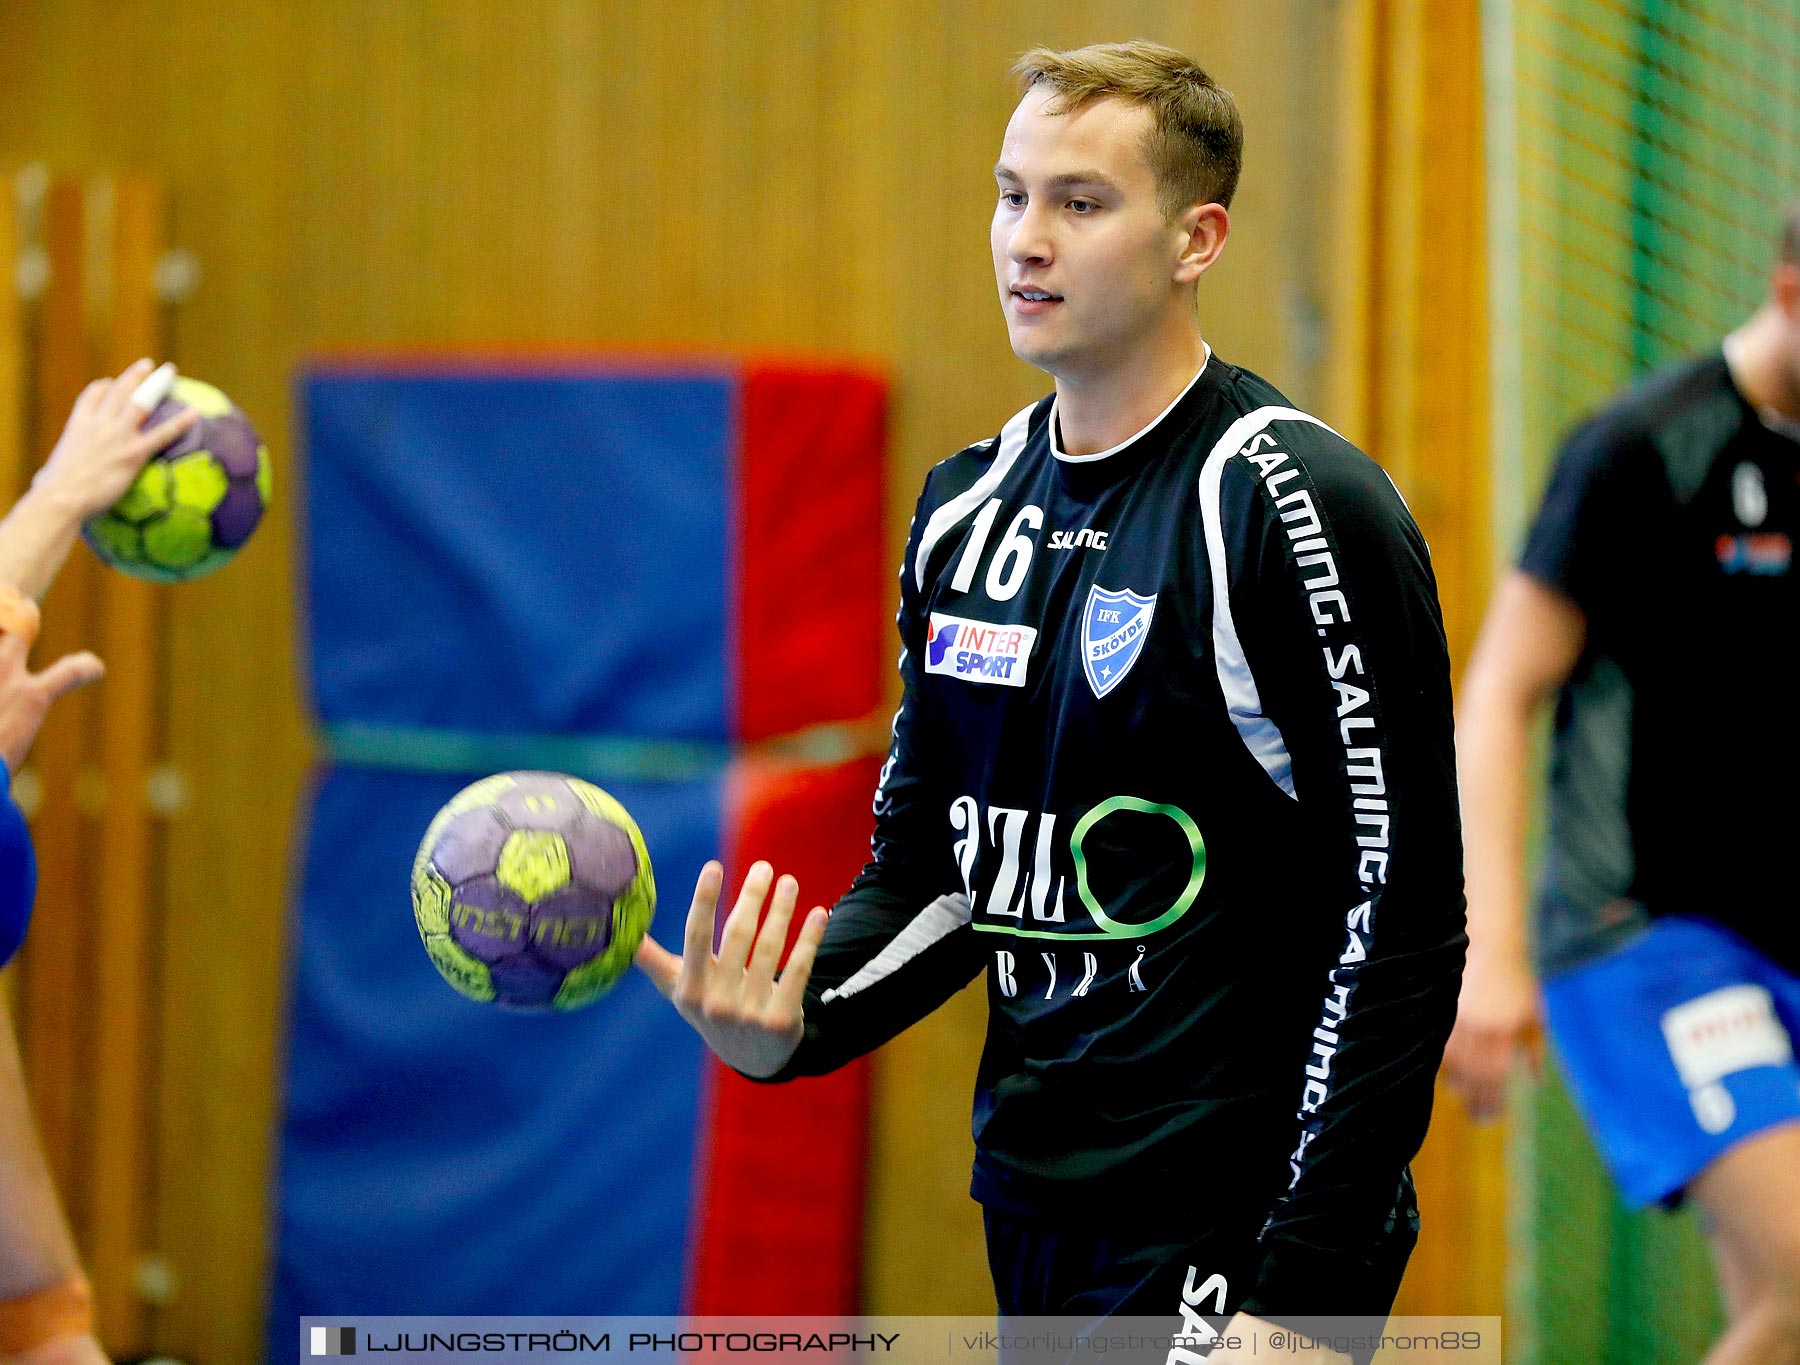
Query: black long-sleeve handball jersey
x,y
1173,766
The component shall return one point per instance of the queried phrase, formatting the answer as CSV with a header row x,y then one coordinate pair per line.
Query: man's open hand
x,y
747,1014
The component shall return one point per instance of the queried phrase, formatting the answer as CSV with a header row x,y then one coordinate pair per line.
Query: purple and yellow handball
x,y
196,502
533,891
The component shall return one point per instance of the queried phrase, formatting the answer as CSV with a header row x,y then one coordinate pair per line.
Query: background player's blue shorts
x,y
1677,1046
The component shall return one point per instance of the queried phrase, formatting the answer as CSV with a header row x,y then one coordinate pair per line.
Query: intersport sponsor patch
x,y
977,651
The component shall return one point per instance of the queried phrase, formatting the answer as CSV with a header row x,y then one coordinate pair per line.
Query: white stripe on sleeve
x,y
943,916
1261,736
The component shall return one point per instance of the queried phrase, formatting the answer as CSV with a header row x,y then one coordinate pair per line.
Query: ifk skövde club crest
x,y
1114,626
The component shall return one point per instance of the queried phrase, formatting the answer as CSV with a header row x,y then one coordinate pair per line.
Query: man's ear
x,y
1784,289
1202,230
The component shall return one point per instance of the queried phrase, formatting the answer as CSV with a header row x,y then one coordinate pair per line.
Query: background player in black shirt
x,y
1172,768
1656,597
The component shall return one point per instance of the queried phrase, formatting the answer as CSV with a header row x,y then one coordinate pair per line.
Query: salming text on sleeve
x,y
1343,634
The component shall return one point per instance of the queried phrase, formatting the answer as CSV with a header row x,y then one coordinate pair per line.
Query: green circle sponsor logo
x,y
1109,926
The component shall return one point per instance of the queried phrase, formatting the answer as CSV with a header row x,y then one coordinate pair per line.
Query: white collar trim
x,y
1056,444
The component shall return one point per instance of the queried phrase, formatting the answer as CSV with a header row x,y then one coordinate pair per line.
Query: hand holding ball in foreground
x,y
196,502
533,891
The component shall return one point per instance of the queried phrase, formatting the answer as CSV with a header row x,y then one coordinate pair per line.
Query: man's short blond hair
x,y
1195,145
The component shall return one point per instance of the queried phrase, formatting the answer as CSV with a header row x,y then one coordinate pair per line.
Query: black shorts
x,y
1046,1267
1131,1268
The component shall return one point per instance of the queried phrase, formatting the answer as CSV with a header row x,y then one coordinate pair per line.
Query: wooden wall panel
x,y
13,459
1409,372
775,173
127,893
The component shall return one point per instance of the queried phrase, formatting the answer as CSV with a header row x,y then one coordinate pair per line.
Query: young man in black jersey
x,y
1172,768
1656,595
